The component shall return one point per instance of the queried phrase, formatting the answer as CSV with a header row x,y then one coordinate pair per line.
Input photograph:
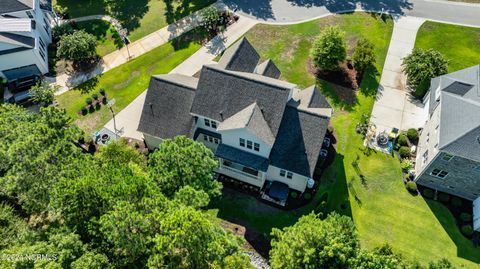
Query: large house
x,y
25,34
264,131
448,157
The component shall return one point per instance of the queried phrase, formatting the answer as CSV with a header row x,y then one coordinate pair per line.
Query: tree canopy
x,y
423,65
363,55
78,47
181,161
43,93
329,49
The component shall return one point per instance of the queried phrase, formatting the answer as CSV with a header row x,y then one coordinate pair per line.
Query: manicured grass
x,y
140,17
374,195
107,37
459,44
127,81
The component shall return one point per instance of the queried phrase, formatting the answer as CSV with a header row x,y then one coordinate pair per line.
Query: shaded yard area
x,y
374,194
140,17
126,82
106,35
459,44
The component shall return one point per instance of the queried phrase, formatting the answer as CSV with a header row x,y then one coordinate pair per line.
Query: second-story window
x,y
256,146
249,144
242,142
207,122
214,124
289,175
282,173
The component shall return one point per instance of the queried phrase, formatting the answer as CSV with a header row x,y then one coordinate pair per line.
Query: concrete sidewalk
x,y
134,50
394,106
127,120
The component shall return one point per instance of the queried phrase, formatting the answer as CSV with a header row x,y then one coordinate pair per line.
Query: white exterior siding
x,y
23,58
152,141
232,138
201,124
428,142
258,181
297,182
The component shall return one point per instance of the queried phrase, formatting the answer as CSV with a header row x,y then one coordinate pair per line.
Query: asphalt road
x,y
288,11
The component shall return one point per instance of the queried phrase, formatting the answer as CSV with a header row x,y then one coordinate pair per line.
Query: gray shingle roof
x,y
17,40
242,157
268,68
222,93
242,57
7,6
166,111
299,141
252,119
457,95
312,101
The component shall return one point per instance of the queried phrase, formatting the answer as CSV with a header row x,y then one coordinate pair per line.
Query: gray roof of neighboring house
x,y
312,101
166,111
457,95
252,119
300,139
7,6
269,69
222,94
242,57
242,157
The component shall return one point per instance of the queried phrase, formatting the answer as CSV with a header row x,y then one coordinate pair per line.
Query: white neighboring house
x,y
25,33
264,131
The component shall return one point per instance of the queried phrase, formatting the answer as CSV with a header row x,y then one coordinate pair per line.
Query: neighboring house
x,y
448,156
25,34
262,129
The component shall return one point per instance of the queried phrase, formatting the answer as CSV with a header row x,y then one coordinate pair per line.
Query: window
x,y
256,146
447,157
282,173
210,139
249,144
41,43
425,157
439,173
215,140
214,124
205,137
29,14
42,54
207,122
428,138
242,142
289,175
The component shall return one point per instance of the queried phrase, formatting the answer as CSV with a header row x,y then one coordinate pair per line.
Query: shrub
x,y
77,47
363,55
91,108
307,196
294,195
102,91
406,165
84,111
95,96
467,230
423,65
329,49
444,197
412,186
404,152
88,101
465,217
210,18
412,134
402,140
456,202
62,30
97,106
428,193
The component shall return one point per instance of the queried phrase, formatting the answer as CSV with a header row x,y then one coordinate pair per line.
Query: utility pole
x,y
126,41
110,106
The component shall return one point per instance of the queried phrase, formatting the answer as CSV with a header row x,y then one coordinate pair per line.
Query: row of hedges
x,y
94,102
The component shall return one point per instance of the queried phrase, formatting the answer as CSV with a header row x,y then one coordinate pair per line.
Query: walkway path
x,y
135,49
127,120
394,106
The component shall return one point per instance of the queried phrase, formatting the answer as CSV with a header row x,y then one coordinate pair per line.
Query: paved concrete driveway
x,y
394,106
288,11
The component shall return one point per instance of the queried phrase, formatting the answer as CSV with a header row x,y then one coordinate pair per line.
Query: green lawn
x,y
126,82
140,17
382,209
107,37
459,44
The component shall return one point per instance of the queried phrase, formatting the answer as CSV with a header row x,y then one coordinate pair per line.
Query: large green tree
x,y
181,161
363,55
37,151
315,243
43,93
78,47
189,239
329,49
421,66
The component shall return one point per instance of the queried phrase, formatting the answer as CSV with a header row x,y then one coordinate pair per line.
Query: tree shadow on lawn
x,y
128,12
100,30
185,8
465,248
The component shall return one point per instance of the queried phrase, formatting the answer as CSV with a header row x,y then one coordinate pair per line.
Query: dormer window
x,y
214,124
207,122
